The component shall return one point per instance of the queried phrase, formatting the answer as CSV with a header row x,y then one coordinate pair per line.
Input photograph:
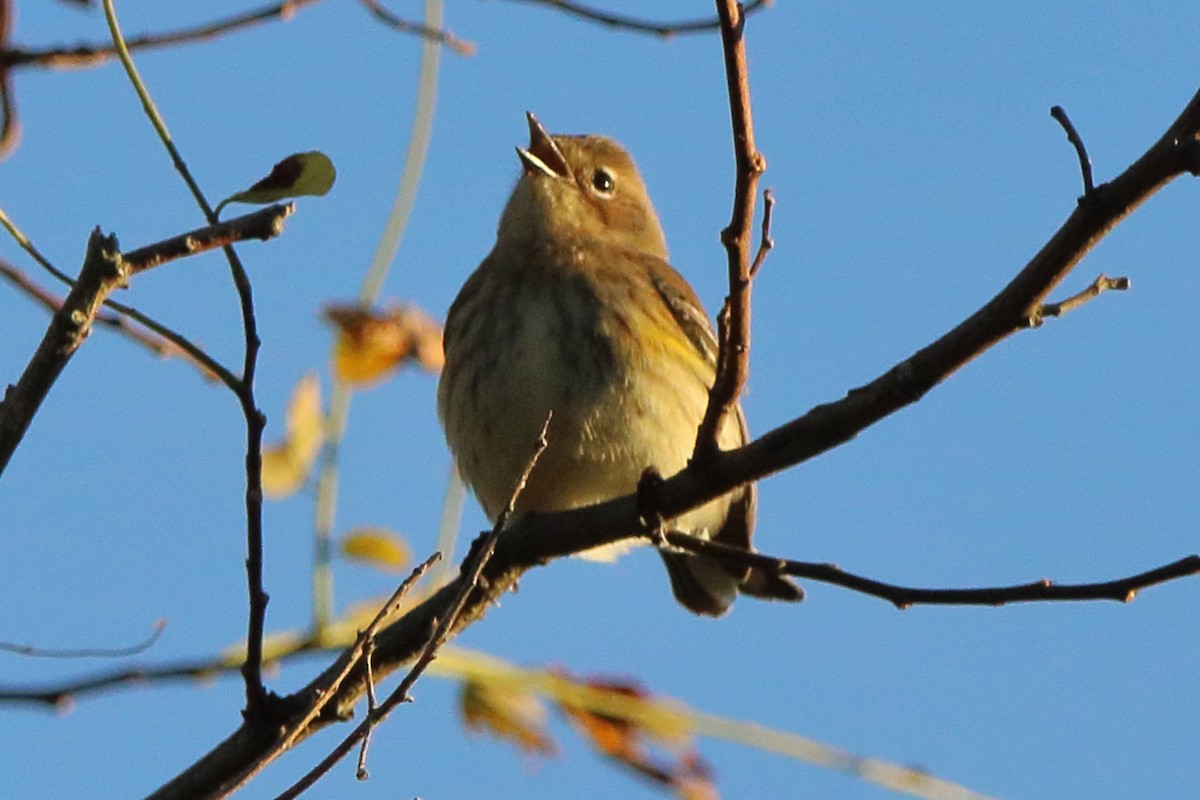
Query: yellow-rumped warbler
x,y
576,311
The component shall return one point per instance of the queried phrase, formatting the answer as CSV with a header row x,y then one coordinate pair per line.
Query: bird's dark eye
x,y
603,181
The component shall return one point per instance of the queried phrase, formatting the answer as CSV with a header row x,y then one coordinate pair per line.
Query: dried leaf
x,y
626,741
286,464
508,713
377,547
372,344
298,175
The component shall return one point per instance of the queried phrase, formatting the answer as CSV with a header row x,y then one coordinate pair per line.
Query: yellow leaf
x,y
378,547
286,464
508,713
299,174
371,344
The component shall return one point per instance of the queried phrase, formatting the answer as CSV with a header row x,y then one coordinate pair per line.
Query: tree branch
x,y
389,18
90,55
537,539
733,356
1085,163
266,223
1122,589
624,22
103,271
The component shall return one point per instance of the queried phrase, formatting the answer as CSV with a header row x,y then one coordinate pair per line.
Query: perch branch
x,y
1121,589
536,539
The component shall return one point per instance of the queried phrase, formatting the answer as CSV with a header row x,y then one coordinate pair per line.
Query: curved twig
x,y
639,25
1085,163
1121,589
90,55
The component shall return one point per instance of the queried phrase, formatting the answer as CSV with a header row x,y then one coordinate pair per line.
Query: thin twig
x,y
355,655
57,695
624,22
155,343
88,652
256,693
84,56
1121,589
472,570
372,704
444,37
765,242
1102,284
733,357
1085,163
263,224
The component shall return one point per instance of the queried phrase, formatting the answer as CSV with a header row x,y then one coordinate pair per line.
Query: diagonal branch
x,y
537,539
104,270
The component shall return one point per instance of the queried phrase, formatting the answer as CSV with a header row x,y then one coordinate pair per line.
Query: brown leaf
x,y
682,772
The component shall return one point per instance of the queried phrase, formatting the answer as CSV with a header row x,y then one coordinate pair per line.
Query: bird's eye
x,y
603,181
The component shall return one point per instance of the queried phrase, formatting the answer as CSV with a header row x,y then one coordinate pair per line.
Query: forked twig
x,y
472,570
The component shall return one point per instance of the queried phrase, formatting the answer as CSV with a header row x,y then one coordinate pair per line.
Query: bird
x,y
577,316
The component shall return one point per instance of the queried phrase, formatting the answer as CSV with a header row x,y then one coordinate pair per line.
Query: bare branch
x,y
256,693
388,17
263,224
1121,589
103,271
733,357
765,242
88,652
157,344
624,22
536,539
1102,284
84,56
481,552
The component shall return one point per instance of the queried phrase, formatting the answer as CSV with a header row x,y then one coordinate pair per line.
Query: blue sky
x,y
916,169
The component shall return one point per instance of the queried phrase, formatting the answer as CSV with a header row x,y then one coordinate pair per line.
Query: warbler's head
x,y
580,187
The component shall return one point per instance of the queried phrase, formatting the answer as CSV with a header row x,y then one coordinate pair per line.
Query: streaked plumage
x,y
576,310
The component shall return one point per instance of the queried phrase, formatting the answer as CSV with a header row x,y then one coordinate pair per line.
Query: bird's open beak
x,y
542,155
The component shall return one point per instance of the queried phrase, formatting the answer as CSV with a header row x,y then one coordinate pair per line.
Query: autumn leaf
x,y
507,712
682,771
286,464
372,344
300,174
377,547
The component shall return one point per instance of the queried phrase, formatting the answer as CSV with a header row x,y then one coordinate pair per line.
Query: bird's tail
x,y
707,587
